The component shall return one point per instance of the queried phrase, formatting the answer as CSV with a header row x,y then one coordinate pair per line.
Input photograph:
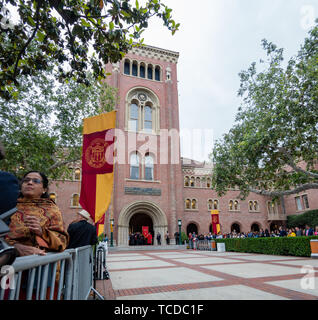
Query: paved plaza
x,y
208,275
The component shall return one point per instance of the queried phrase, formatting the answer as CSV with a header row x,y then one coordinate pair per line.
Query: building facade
x,y
153,185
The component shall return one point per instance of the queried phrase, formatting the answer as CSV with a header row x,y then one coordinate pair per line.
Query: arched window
x,y
186,181
75,200
148,118
215,204
135,69
250,205
134,117
142,70
77,174
149,71
192,182
157,73
231,205
134,166
208,183
193,204
198,182
149,166
236,205
210,204
127,67
52,196
255,206
188,204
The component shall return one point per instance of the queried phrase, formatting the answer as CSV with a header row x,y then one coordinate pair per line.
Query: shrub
x,y
300,220
284,246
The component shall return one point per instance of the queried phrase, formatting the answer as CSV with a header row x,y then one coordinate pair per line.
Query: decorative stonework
x,y
156,53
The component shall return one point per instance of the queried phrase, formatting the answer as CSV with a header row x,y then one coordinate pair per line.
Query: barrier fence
x,y
208,245
56,276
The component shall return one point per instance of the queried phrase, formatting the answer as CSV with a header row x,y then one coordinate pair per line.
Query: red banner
x,y
145,231
97,164
215,221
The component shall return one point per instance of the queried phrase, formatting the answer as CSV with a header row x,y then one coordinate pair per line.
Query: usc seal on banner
x,y
95,153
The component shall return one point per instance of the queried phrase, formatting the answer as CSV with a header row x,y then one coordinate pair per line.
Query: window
x,y
134,117
150,77
253,206
272,207
142,71
208,183
236,205
135,69
194,204
77,174
188,204
149,167
198,182
298,204
192,182
127,67
210,204
186,181
157,73
148,119
134,166
250,205
216,204
231,205
75,200
305,201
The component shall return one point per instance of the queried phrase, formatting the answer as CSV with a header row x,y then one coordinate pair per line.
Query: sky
x,y
217,40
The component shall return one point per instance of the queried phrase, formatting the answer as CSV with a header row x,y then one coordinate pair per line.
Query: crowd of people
x,y
280,232
139,239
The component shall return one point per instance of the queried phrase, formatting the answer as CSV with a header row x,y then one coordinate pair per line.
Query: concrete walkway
x,y
180,274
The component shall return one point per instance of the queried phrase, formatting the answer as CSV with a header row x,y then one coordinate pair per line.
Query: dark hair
x,y
45,182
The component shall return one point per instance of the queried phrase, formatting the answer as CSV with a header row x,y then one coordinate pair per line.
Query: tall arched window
x,y
216,204
148,118
149,167
188,204
127,67
193,204
208,183
210,204
75,200
198,182
149,71
135,69
142,70
186,181
134,117
192,182
236,205
157,73
250,205
231,205
134,166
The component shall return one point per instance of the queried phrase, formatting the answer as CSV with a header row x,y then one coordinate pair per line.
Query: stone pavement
x,y
208,275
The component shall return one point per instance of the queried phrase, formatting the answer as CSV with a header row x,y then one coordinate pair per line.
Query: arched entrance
x,y
192,228
138,214
255,227
136,223
235,227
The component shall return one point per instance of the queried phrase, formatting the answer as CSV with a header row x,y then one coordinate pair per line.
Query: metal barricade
x,y
101,272
39,278
208,245
82,272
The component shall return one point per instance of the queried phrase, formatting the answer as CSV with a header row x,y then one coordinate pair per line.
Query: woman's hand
x,y
28,250
33,223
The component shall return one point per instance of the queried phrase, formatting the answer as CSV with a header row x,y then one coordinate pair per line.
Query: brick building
x,y
153,185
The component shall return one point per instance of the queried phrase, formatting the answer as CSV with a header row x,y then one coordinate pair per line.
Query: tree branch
x,y
296,190
62,163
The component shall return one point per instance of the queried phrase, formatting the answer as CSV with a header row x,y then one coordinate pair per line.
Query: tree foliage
x,y
78,35
276,127
42,128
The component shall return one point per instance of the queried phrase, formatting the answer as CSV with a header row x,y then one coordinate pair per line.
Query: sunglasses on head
x,y
34,180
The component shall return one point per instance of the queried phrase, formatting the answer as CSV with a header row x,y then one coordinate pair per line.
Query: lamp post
x,y
111,231
179,224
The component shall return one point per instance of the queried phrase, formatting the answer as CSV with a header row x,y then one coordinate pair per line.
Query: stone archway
x,y
158,217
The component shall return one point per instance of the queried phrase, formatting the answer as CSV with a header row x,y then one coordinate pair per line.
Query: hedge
x,y
283,246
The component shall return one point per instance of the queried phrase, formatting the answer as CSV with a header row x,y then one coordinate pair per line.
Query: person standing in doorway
x,y
159,239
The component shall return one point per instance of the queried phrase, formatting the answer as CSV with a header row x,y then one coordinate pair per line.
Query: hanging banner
x,y
97,164
145,231
215,221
